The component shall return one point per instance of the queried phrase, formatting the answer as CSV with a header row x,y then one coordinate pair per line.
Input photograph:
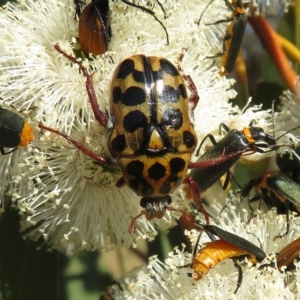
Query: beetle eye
x,y
172,118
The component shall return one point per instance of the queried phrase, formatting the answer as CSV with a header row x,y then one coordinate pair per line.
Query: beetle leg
x,y
162,8
287,222
155,208
212,139
120,182
240,277
192,184
78,7
100,116
132,226
185,215
78,145
194,98
5,153
220,21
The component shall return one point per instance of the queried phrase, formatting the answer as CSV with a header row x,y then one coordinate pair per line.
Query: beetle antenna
x,y
150,12
273,102
289,131
260,244
198,23
197,244
162,8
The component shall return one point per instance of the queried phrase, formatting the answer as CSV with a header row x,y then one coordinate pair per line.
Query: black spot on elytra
x,y
134,184
133,96
134,120
168,67
182,90
117,94
126,68
139,76
157,171
170,95
166,186
119,143
172,118
177,165
189,139
147,188
135,168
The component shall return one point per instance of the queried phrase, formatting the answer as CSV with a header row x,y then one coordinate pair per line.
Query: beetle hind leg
x,y
192,184
156,208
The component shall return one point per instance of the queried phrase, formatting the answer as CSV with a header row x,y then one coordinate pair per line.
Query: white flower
x,y
70,199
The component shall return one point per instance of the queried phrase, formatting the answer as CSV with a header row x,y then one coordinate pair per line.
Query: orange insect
x,y
228,246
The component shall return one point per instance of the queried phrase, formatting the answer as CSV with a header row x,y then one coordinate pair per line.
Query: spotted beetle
x,y
15,132
228,246
152,138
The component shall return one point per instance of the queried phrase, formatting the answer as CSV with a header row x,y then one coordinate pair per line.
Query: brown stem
x,y
271,43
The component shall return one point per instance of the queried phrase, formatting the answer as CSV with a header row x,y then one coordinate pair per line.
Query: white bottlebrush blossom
x,y
290,112
165,281
70,199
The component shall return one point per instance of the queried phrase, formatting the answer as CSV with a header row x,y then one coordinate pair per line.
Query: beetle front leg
x,y
5,153
192,184
100,116
78,145
194,98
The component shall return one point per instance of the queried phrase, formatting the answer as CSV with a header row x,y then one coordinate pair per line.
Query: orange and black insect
x,y
277,190
15,132
233,38
228,246
250,139
152,136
